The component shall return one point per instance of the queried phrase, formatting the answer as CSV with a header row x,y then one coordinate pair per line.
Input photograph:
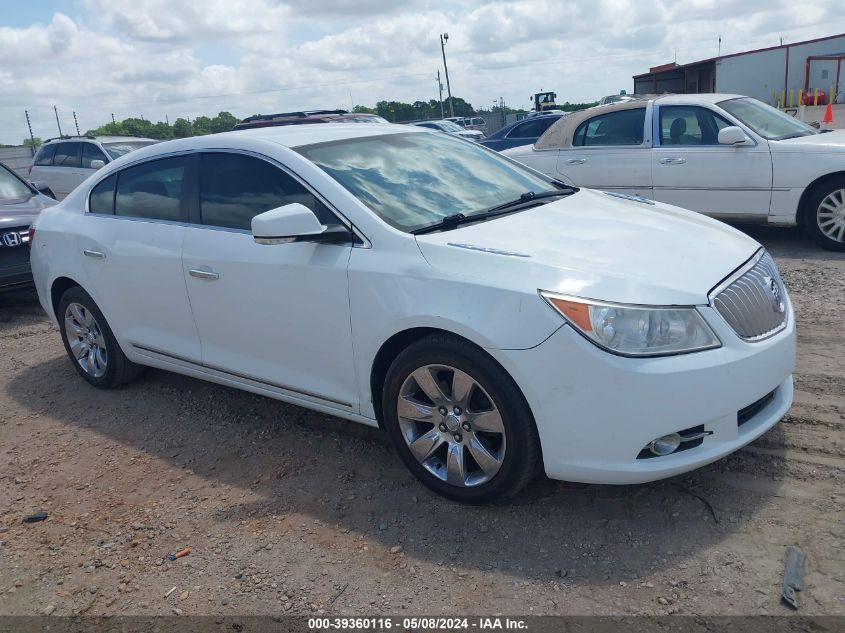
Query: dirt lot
x,y
289,511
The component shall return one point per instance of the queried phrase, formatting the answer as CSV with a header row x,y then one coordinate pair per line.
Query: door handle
x,y
204,274
673,161
94,254
576,161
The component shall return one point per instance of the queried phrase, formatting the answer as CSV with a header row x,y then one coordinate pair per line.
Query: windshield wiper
x,y
526,199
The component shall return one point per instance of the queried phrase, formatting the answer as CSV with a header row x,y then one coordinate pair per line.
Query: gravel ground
x,y
289,511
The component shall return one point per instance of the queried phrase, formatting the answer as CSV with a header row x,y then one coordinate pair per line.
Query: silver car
x,y
63,163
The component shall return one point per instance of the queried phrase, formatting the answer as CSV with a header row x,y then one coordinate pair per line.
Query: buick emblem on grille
x,y
774,290
11,239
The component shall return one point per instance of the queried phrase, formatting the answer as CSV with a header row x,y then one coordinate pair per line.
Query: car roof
x,y
101,139
301,118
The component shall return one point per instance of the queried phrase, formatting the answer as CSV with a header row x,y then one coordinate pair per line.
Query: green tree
x,y
182,128
223,122
32,142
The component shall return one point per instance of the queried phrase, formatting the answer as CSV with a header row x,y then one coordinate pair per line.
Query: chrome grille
x,y
754,303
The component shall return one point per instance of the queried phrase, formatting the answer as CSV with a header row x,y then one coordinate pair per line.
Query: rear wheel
x,y
824,214
90,344
459,422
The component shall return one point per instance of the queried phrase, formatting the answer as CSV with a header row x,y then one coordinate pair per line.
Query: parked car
x,y
617,99
451,128
493,321
307,116
534,113
469,123
63,163
520,133
20,203
727,156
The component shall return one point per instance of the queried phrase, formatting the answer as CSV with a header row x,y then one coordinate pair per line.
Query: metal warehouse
x,y
775,75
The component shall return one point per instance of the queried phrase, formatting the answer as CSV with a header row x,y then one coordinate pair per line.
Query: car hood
x,y
833,141
19,213
598,246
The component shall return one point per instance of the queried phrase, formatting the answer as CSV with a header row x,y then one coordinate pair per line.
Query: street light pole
x,y
444,37
440,94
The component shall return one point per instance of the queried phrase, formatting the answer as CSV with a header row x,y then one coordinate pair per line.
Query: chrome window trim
x,y
365,242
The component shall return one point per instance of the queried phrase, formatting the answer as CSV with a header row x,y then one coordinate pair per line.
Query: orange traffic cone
x,y
828,114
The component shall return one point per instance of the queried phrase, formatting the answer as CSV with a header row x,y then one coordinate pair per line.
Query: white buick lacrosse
x,y
493,321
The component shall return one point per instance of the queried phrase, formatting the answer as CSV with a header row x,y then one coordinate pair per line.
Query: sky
x,y
178,58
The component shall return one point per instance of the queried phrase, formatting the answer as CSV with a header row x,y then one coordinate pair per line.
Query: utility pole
x,y
59,125
29,125
112,118
440,95
166,120
444,37
76,123
719,54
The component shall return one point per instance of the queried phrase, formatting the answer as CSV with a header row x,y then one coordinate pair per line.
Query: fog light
x,y
665,445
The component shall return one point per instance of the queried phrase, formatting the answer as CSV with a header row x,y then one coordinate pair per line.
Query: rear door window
x,y
152,190
623,127
235,188
67,155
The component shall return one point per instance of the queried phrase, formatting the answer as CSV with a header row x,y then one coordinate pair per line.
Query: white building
x,y
768,74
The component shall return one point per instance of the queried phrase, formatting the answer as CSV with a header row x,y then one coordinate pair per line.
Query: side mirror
x,y
97,164
732,135
295,223
42,188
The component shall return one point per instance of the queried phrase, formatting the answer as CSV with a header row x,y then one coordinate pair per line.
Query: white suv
x,y
63,163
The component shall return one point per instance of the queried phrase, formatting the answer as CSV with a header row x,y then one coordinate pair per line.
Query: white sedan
x,y
494,322
727,156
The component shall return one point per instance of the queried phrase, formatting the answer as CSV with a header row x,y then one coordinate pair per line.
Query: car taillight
x,y
31,236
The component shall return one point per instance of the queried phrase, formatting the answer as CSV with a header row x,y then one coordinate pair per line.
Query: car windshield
x,y
765,120
116,150
414,180
11,188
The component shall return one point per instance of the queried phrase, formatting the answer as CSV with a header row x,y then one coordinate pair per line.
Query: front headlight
x,y
631,330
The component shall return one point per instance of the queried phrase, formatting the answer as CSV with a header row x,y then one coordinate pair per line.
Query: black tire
x,y
812,208
522,458
118,368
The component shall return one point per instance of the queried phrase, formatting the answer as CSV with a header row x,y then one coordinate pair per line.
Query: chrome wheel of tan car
x,y
451,425
86,340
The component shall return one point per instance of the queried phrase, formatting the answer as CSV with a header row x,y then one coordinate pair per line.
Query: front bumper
x,y
595,411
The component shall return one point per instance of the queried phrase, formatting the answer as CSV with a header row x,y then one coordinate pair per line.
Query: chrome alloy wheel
x,y
451,425
86,340
830,215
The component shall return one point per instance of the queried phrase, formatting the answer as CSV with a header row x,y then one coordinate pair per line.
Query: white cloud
x,y
193,57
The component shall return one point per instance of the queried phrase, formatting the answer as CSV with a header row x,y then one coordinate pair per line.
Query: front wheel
x,y
824,215
459,422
